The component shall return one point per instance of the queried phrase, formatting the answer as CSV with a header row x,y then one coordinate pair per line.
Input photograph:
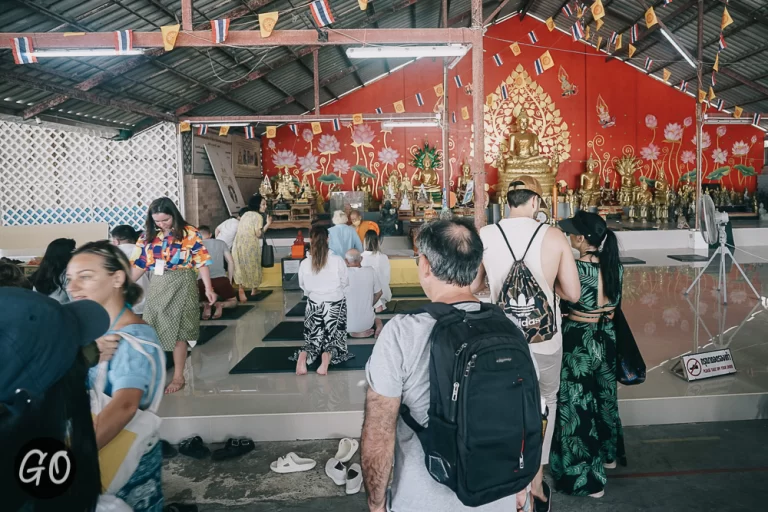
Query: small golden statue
x,y
520,155
306,191
365,188
265,189
644,200
285,187
590,185
661,198
573,202
462,181
626,167
392,189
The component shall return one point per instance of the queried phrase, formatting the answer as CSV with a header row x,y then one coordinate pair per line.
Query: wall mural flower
x,y
651,152
651,121
687,122
328,145
309,163
284,159
388,156
307,135
271,144
719,156
721,131
740,148
341,166
688,157
363,135
673,132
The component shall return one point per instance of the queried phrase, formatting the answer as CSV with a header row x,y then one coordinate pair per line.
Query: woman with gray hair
x,y
343,237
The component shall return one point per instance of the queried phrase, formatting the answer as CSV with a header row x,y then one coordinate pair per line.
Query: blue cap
x,y
40,338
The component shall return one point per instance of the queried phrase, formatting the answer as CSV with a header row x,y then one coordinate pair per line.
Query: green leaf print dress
x,y
587,428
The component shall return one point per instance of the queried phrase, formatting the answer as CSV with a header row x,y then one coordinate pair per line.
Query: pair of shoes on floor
x,y
194,447
234,448
543,506
292,463
351,477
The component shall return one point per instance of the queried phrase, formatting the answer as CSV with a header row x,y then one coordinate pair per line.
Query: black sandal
x,y
194,447
169,451
234,448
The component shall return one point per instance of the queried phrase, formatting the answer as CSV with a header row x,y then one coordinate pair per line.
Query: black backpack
x,y
484,436
523,300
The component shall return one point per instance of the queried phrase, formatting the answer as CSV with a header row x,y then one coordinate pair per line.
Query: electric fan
x,y
712,224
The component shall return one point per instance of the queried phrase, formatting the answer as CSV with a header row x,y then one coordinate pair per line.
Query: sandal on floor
x,y
347,448
234,448
194,447
168,450
292,463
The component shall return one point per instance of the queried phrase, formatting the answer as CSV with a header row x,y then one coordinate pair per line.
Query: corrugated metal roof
x,y
188,75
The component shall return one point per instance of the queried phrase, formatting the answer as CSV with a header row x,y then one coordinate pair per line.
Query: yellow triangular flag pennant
x,y
267,22
618,43
399,107
317,129
515,49
711,95
702,96
632,50
184,127
727,20
599,42
363,4
716,67
579,11
438,90
650,18
170,33
464,113
737,112
489,100
600,24
271,132
546,60
357,118
667,73
587,33
598,11
550,24
223,131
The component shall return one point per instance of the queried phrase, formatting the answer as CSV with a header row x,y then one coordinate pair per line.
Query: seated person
x,y
220,281
124,237
362,293
374,258
362,226
11,276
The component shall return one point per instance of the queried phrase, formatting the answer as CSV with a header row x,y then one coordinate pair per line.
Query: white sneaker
x,y
354,479
598,494
336,471
609,465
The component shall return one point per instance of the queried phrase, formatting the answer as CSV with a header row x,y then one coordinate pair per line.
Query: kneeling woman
x,y
588,428
101,272
323,277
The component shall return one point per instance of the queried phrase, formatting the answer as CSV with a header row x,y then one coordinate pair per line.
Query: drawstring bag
x,y
119,459
630,366
267,255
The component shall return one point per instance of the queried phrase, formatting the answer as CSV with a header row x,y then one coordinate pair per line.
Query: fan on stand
x,y
712,224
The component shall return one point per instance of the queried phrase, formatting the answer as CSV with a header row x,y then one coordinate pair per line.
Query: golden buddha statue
x,y
307,192
427,176
625,167
520,155
662,189
462,181
366,189
265,189
285,187
644,200
590,185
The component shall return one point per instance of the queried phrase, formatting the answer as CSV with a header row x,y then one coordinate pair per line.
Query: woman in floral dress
x,y
246,250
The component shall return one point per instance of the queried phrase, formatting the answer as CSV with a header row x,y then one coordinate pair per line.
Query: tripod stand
x,y
722,279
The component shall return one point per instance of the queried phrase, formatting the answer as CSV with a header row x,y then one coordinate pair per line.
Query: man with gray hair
x,y
363,292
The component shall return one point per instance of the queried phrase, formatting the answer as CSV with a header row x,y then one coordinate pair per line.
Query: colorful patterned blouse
x,y
189,253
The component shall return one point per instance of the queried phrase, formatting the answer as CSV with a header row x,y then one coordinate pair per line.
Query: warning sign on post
x,y
705,365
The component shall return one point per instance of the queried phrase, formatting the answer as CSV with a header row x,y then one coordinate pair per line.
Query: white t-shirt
x,y
227,231
327,285
380,263
143,280
363,284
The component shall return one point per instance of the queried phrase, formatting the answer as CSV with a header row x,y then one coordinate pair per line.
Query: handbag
x,y
267,255
630,366
119,459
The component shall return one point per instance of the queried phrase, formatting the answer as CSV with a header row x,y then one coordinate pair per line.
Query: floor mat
x,y
275,360
208,332
260,295
687,257
407,291
289,331
631,260
233,313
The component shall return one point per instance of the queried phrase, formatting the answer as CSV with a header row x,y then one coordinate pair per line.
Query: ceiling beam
x,y
186,15
761,76
492,17
663,26
34,6
526,8
746,81
560,9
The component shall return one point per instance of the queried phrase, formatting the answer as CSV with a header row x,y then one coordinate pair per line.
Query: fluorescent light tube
x,y
406,52
86,52
410,124
216,125
677,47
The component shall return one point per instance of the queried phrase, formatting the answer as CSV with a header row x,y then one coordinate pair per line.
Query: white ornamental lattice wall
x,y
62,176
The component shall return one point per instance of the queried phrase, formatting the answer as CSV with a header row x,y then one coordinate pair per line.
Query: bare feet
x,y
241,296
325,360
254,291
176,385
207,311
301,364
379,309
379,327
218,311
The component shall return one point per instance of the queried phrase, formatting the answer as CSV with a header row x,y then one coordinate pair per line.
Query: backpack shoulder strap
x,y
504,236
436,310
530,242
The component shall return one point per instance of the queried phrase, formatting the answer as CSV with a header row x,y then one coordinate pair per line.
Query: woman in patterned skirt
x,y
171,250
588,429
246,250
323,277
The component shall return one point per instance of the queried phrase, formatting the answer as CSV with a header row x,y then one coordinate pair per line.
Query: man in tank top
x,y
551,263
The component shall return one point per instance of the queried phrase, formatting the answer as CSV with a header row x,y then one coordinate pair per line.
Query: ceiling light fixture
x,y
386,125
88,52
407,52
678,48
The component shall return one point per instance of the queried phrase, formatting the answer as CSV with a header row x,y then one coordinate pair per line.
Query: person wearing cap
x,y
100,271
589,367
43,391
548,256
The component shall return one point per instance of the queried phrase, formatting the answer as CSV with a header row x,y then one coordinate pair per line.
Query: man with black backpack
x,y
453,394
528,263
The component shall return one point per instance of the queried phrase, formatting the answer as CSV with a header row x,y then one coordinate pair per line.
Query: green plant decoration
x,y
719,173
689,177
746,171
331,179
362,171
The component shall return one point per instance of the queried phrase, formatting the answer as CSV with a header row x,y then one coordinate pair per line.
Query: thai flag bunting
x,y
567,10
295,129
577,31
378,110
722,44
336,125
633,34
219,30
683,86
202,129
504,93
648,63
613,37
457,79
756,118
453,117
321,11
419,99
532,37
22,50
719,103
497,59
123,41
250,132
714,80
538,66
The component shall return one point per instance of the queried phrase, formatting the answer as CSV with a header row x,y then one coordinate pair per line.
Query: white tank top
x,y
497,261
